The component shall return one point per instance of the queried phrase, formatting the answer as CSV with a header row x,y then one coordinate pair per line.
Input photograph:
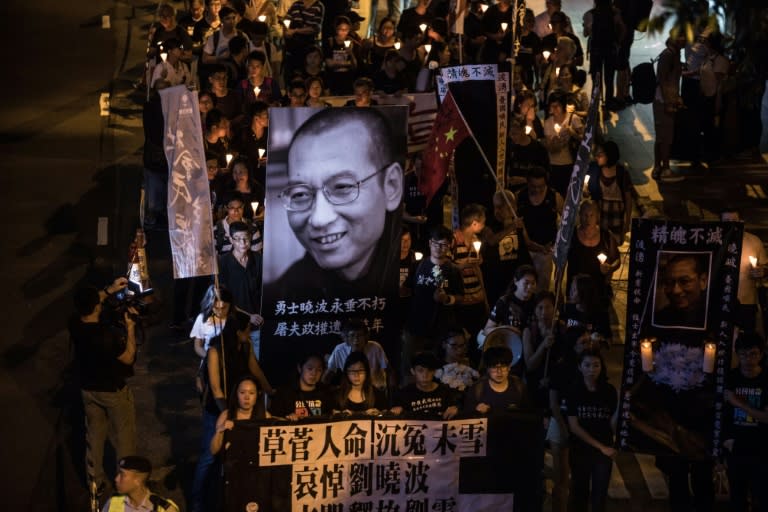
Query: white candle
x,y
397,45
646,355
347,43
261,152
164,56
483,7
476,244
709,357
228,157
557,128
546,54
254,206
423,27
504,26
528,129
427,48
753,261
256,91
557,71
287,23
263,18
586,182
418,256
602,257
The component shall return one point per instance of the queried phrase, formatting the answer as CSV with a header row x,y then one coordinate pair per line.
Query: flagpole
x,y
485,159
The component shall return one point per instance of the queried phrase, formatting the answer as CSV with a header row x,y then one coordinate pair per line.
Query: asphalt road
x,y
64,166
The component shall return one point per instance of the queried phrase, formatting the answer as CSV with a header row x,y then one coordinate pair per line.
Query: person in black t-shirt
x,y
105,356
746,425
309,397
426,396
498,391
592,412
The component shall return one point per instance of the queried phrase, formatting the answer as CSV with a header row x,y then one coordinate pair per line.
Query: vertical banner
x,y
683,280
190,221
575,187
332,229
502,105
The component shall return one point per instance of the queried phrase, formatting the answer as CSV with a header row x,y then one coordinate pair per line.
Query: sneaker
x,y
656,173
667,176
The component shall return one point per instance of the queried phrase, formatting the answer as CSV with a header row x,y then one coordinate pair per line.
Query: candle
x,y
347,43
476,244
602,257
753,261
528,129
164,56
263,18
504,26
483,7
287,23
557,71
557,128
261,152
423,27
254,206
549,25
546,54
709,357
427,48
256,91
646,355
417,256
397,45
228,157
586,182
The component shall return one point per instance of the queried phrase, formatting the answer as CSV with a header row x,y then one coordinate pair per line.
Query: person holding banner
x,y
243,404
308,397
357,395
499,390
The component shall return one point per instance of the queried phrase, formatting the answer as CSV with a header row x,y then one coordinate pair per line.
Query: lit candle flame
x,y
397,45
263,18
261,152
504,26
287,23
586,181
710,349
428,48
164,56
483,7
546,54
528,129
602,257
423,27
229,158
557,71
558,128
254,206
256,91
347,43
476,244
753,261
646,355
417,256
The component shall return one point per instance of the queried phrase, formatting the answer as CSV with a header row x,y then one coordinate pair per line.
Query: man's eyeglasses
x,y
681,281
440,245
339,190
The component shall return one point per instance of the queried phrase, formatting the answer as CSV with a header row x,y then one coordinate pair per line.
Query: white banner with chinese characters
x,y
379,464
190,221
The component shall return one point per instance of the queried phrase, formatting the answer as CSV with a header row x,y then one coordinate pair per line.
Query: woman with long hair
x,y
240,184
515,308
377,46
243,404
356,393
592,414
315,90
215,309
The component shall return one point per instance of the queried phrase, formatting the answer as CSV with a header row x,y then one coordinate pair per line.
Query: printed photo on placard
x,y
681,291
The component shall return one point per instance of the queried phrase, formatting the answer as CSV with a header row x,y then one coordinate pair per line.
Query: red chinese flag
x,y
448,132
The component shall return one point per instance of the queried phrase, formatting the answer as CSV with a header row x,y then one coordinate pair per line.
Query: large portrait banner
x,y
334,190
683,281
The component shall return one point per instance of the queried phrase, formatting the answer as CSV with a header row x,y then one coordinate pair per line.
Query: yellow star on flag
x,y
450,133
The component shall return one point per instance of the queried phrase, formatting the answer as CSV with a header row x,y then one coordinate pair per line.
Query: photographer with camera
x,y
105,350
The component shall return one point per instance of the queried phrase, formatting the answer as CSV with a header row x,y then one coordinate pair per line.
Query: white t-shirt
x,y
376,358
207,330
175,75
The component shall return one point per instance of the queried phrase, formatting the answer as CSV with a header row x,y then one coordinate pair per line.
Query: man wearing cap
x,y
171,70
133,495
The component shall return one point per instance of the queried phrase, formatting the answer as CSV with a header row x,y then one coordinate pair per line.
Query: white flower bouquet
x,y
678,366
457,376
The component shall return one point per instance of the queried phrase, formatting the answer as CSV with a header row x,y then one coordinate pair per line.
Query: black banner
x,y
683,281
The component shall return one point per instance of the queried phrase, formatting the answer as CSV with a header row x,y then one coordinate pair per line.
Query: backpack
x,y
644,82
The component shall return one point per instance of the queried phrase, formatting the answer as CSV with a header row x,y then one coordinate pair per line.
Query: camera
x,y
132,297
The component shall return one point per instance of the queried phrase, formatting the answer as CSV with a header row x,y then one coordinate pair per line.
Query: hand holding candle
x,y
646,355
558,128
710,349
